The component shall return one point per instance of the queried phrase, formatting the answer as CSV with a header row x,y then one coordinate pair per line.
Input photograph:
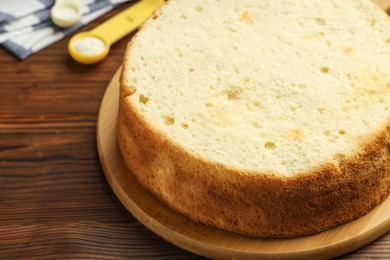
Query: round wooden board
x,y
211,242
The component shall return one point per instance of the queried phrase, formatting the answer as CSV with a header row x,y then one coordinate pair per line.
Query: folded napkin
x,y
26,27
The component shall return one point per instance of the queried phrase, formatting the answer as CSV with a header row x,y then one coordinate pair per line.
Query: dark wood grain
x,y
54,199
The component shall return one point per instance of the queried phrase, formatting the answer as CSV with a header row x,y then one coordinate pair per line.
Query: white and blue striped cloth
x,y
26,27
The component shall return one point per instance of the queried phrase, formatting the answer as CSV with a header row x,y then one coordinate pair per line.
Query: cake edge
x,y
255,204
248,203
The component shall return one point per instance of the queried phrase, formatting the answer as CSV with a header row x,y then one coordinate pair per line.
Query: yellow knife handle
x,y
128,20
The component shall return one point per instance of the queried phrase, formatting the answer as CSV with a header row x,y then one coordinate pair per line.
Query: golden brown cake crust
x,y
256,204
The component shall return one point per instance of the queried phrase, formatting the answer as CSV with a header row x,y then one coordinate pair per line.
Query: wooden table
x,y
54,199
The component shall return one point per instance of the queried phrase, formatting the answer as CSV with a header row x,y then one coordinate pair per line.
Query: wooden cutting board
x,y
211,242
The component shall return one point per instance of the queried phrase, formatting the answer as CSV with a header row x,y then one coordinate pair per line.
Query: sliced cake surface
x,y
268,118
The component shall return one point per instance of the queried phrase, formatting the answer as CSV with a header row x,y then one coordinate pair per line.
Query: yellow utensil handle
x,y
126,21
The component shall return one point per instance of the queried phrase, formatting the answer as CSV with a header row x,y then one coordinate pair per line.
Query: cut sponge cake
x,y
265,118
